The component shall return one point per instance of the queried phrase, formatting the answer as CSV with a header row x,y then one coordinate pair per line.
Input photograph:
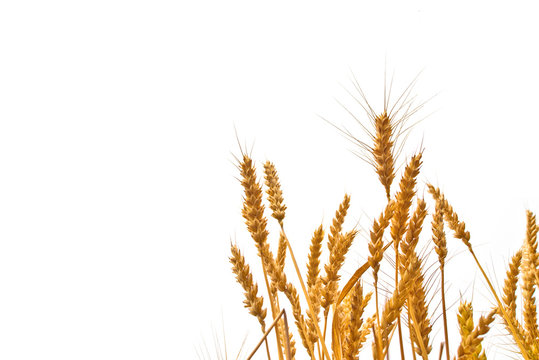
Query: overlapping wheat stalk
x,y
347,321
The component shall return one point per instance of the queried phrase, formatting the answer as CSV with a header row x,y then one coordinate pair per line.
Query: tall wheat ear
x,y
387,131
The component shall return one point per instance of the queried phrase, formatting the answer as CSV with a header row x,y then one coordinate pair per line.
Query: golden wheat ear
x,y
253,209
315,251
509,296
275,194
528,279
338,246
244,277
471,338
355,331
382,151
440,246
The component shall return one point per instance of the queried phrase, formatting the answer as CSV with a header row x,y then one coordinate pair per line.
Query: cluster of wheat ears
x,y
331,317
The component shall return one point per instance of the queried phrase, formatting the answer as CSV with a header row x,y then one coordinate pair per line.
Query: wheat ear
x,y
336,260
252,301
440,246
382,151
510,287
528,279
376,248
412,235
338,220
471,338
275,194
353,339
313,265
338,245
314,283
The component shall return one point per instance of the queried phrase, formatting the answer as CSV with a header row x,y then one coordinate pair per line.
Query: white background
x,y
118,197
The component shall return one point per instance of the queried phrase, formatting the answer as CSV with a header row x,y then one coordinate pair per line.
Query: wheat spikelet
x,y
275,195
528,280
244,277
